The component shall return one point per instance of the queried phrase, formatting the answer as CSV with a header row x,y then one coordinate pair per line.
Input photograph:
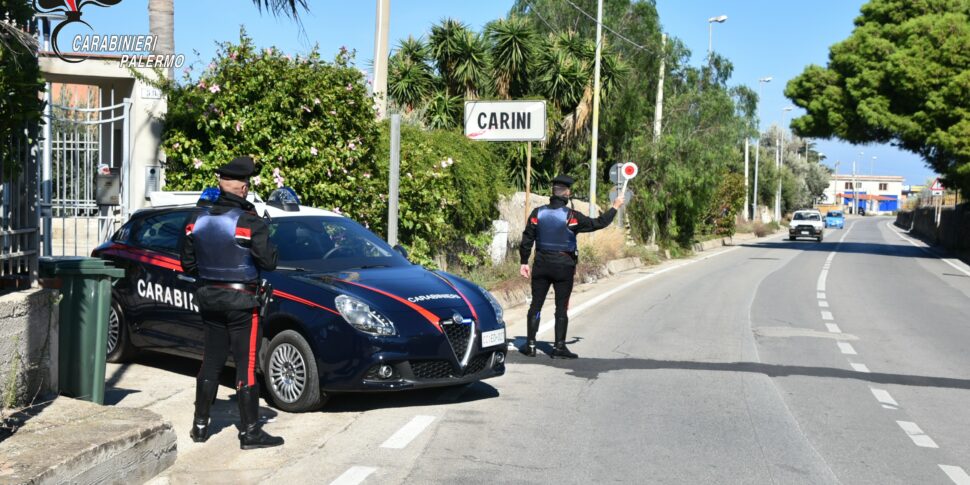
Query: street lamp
x,y
781,160
757,150
871,165
710,31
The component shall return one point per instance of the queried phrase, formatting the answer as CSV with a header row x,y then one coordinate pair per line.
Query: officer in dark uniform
x,y
226,246
553,229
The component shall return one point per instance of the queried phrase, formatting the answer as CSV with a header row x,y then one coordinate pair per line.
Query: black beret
x,y
238,168
563,180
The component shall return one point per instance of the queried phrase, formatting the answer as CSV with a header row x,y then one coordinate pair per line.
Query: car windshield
x,y
806,216
835,214
316,243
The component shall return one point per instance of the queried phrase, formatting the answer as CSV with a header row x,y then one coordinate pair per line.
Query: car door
x,y
171,316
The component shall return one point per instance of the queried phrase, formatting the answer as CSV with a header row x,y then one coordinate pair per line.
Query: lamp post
x,y
757,151
710,31
871,164
781,161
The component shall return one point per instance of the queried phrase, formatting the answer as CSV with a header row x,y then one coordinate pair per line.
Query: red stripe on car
x,y
431,317
291,297
462,295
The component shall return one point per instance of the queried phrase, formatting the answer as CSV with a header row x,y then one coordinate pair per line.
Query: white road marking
x,y
859,367
917,435
830,257
575,312
820,286
947,261
354,475
407,433
846,348
823,303
833,328
827,316
884,398
956,474
820,296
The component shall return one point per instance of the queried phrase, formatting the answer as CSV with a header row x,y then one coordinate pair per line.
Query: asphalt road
x,y
846,361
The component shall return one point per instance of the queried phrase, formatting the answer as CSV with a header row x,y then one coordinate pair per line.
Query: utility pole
x,y
855,192
757,151
380,57
658,111
596,109
745,213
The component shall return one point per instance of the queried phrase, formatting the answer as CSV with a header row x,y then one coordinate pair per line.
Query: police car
x,y
349,312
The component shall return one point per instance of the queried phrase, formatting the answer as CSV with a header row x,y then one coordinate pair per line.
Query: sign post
x,y
516,120
625,171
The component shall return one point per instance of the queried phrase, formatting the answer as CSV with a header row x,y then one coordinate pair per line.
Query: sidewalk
x,y
70,441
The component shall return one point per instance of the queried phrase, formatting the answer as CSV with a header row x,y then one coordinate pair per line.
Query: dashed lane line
x,y
408,432
354,475
957,474
833,328
823,303
826,315
916,434
846,348
884,398
820,296
859,367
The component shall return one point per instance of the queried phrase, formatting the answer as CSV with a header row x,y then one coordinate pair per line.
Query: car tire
x,y
819,239
290,373
791,238
119,347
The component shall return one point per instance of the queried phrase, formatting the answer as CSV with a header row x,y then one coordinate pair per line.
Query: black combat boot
x,y
205,395
559,351
529,349
252,435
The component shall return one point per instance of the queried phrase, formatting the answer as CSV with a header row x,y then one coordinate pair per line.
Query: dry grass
x,y
602,246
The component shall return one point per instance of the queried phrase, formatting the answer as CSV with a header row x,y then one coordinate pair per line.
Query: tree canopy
x,y
902,76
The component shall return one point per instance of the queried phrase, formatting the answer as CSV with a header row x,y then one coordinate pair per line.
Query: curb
x,y
72,441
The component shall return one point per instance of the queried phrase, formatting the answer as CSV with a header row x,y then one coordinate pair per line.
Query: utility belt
x,y
247,287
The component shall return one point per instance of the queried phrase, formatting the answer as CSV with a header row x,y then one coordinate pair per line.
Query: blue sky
x,y
761,37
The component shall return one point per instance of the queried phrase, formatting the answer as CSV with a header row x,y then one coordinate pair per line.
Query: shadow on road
x,y
357,402
591,368
877,249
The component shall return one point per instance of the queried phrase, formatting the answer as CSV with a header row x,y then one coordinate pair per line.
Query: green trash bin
x,y
85,285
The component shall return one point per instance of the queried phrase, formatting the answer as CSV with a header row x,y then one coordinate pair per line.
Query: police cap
x,y
239,168
564,180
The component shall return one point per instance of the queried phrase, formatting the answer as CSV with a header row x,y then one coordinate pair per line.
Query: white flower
x,y
196,162
313,151
444,164
239,126
257,180
214,88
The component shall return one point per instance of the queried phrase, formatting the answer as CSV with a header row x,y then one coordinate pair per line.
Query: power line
x,y
543,19
638,46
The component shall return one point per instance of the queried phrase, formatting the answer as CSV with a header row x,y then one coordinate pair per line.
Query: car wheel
x,y
791,238
291,374
819,239
119,348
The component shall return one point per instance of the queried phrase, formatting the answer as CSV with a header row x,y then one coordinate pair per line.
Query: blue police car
x,y
349,312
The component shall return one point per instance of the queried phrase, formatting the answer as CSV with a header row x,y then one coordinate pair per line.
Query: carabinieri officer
x,y
226,246
553,229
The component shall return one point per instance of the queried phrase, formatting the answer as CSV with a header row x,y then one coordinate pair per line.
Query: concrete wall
x,y
28,346
512,209
953,231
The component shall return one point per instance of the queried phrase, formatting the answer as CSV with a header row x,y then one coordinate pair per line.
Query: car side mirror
x,y
400,249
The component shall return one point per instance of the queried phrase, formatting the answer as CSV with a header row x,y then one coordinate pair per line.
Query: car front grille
x,y
459,336
443,369
805,228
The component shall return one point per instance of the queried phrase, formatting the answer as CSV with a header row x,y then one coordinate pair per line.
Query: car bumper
x,y
412,373
805,232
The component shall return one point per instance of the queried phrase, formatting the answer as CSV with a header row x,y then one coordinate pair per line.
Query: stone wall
x,y
28,346
952,232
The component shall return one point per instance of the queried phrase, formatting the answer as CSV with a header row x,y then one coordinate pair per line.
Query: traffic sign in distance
x,y
628,195
615,173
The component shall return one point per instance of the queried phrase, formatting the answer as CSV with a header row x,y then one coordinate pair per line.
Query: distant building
x,y
876,194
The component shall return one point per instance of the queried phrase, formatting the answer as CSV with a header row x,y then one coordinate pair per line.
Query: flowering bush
x,y
307,123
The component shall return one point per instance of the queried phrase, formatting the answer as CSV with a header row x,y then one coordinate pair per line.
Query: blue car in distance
x,y
835,219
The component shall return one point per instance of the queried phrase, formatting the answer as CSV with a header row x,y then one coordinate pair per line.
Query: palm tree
x,y
513,50
471,66
410,77
445,41
443,111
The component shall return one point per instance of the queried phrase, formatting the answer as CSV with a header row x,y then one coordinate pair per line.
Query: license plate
x,y
804,232
493,337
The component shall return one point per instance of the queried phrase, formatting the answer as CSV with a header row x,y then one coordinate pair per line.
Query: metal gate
x,y
84,176
18,210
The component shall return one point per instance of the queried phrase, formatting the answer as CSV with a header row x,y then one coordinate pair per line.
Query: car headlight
x,y
362,317
499,313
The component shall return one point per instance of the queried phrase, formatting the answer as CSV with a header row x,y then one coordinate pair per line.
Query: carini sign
x,y
505,120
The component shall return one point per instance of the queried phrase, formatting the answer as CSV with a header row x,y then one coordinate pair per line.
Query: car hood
x,y
412,287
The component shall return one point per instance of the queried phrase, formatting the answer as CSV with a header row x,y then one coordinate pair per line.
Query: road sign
x,y
505,120
937,187
627,196
615,173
